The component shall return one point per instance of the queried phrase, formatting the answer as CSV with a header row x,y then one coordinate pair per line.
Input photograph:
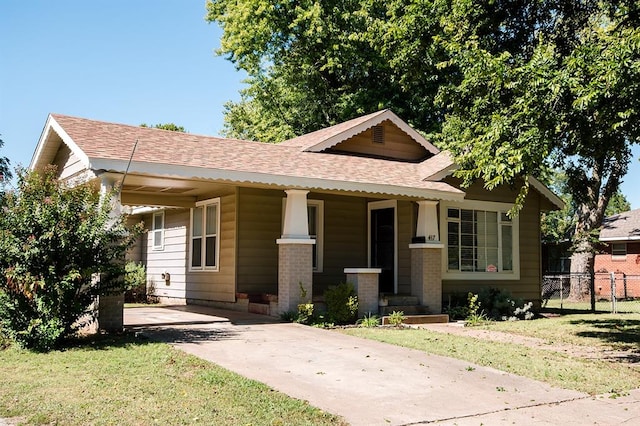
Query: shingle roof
x,y
621,227
108,146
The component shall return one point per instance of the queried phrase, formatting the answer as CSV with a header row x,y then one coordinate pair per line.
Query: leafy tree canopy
x,y
166,126
312,64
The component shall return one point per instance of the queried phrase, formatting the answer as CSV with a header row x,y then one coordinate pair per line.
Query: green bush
x,y
135,280
499,305
342,303
55,241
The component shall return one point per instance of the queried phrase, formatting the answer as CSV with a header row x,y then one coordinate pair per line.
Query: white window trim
x,y
378,205
619,256
319,204
487,206
155,231
205,268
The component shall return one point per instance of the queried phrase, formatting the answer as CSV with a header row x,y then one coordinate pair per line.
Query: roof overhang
x,y
274,180
48,146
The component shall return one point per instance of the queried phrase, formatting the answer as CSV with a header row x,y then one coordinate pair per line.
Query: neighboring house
x,y
367,199
620,254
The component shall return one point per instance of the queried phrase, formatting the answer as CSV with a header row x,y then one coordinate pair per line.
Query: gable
x,y
385,140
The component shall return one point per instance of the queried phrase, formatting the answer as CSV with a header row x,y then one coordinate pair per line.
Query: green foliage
x,y
342,303
314,64
475,316
5,172
166,126
396,318
55,241
135,280
499,305
369,320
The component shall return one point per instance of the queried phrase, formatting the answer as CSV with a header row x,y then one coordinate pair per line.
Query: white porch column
x,y
295,264
296,223
428,220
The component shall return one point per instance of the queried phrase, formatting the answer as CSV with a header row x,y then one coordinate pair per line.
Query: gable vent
x,y
378,134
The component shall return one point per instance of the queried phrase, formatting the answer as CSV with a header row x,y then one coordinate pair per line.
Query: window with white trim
x,y
157,231
315,217
619,250
481,239
204,239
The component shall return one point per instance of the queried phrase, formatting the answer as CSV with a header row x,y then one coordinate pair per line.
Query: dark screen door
x,y
383,246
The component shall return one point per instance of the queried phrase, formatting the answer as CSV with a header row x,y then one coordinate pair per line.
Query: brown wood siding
x,y
406,229
397,144
68,163
259,226
345,238
528,287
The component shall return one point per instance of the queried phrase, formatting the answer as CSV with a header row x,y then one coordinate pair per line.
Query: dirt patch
x,y
578,351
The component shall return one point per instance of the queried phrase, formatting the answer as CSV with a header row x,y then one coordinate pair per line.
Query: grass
x,y
626,306
609,331
558,369
128,380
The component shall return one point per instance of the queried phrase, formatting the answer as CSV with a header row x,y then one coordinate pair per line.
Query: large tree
x,y
311,64
566,93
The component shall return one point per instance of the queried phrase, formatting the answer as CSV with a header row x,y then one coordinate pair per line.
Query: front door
x,y
382,244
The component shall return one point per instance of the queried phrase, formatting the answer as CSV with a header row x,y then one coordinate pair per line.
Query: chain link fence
x,y
602,292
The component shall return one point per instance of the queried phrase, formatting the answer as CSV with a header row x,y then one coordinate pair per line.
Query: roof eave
x,y
285,181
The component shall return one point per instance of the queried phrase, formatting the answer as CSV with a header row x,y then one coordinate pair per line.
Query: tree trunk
x,y
582,261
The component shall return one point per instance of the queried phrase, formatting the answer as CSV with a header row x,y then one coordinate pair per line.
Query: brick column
x,y
295,267
426,275
110,312
365,282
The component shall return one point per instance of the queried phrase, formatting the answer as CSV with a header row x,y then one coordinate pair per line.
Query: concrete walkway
x,y
371,383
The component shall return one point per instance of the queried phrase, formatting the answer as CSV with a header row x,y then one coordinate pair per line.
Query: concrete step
x,y
407,309
420,319
402,300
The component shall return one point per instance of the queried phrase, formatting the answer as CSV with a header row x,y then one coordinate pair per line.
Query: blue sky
x,y
125,61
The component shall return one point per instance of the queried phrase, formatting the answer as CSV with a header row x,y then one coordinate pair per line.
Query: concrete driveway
x,y
371,383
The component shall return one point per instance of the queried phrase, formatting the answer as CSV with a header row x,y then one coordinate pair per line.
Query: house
x,y
369,200
620,255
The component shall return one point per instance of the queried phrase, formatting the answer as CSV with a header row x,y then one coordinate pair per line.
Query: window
x,y
619,250
481,239
205,219
315,217
315,213
157,232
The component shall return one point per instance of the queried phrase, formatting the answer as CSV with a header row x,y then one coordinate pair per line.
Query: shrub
x,y
498,304
342,303
60,247
135,280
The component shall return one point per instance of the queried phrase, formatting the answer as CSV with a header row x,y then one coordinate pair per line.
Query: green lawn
x,y
127,380
622,306
556,368
609,331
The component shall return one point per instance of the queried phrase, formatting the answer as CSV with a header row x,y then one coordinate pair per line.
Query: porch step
x,y
402,300
421,319
259,308
406,309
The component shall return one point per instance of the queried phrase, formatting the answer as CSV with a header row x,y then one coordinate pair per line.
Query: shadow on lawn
x,y
618,332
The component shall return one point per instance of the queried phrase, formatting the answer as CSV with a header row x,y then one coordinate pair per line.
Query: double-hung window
x,y
481,239
619,251
157,231
205,241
